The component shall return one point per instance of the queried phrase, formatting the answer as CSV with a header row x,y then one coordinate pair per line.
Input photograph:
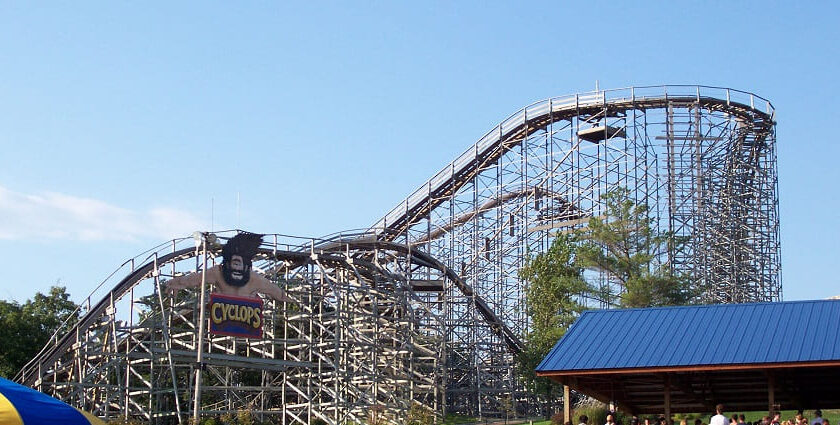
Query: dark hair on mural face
x,y
245,245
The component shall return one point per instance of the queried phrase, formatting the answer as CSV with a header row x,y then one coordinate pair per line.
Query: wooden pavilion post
x,y
771,393
567,404
668,398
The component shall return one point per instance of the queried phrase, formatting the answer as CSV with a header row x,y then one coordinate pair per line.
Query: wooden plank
x,y
427,285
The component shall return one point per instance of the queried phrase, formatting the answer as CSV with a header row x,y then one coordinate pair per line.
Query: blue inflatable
x,y
20,405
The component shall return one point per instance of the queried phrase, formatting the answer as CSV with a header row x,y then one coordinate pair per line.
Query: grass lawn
x,y
833,415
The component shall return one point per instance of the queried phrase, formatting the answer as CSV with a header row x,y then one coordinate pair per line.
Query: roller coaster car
x,y
561,210
561,213
597,134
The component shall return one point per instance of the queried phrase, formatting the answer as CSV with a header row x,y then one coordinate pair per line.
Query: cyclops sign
x,y
236,316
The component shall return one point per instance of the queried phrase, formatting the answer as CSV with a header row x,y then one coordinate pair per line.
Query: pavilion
x,y
783,355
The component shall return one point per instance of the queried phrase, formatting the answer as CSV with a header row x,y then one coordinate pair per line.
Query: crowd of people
x,y
720,419
775,418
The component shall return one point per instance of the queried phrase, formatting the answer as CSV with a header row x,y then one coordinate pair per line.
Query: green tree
x,y
25,329
50,311
16,331
625,245
552,299
622,245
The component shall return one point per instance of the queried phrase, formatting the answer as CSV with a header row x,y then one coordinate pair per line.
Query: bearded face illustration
x,y
237,256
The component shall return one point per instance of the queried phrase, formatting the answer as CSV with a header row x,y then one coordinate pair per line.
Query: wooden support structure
x,y
355,342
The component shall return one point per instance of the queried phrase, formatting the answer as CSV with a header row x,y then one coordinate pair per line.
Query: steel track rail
x,y
496,324
52,352
511,132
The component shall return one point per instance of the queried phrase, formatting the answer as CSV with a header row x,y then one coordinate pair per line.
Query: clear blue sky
x,y
120,121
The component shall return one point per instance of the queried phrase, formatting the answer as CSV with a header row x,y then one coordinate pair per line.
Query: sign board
x,y
236,316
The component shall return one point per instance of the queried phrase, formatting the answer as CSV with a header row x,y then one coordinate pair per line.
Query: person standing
x,y
818,420
719,418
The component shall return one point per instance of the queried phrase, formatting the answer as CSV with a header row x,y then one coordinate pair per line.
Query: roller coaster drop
x,y
425,309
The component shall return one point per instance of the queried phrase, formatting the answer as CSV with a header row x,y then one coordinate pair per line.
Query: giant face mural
x,y
237,256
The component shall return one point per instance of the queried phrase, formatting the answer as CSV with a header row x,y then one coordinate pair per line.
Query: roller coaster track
x,y
700,158
496,324
543,169
53,351
537,116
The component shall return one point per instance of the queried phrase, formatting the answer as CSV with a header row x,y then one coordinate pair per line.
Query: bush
x,y
419,415
244,417
597,414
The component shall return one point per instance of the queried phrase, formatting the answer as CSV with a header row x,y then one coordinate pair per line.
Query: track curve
x,y
702,160
53,351
701,156
537,116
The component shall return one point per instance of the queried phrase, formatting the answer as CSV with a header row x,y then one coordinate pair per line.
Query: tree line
x,y
26,328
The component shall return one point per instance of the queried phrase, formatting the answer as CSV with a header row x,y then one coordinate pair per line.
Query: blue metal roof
x,y
782,332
